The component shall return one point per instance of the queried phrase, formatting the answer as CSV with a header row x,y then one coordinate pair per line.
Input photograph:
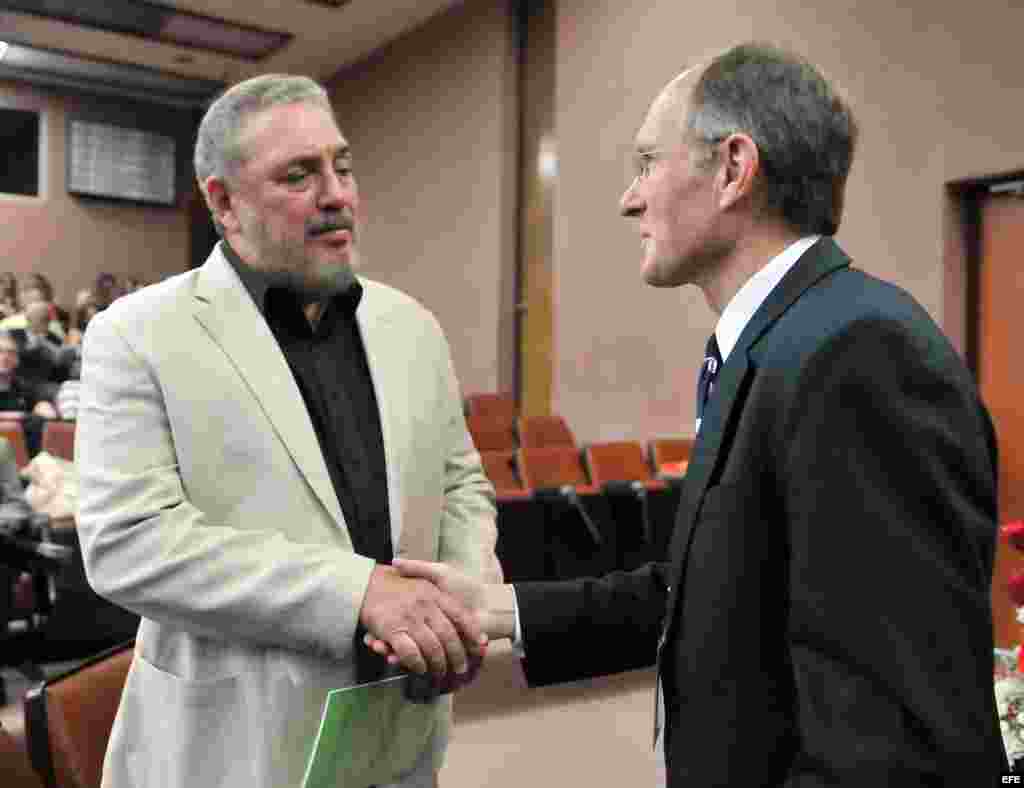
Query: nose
x,y
630,205
337,190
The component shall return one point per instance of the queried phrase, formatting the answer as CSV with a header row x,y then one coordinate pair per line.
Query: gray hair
x,y
218,141
804,130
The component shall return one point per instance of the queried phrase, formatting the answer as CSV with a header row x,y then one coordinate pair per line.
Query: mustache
x,y
331,224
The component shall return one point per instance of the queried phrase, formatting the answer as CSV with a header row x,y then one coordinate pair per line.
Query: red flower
x,y
1016,588
1014,531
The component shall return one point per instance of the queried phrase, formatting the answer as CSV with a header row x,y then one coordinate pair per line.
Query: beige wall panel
x,y
936,89
69,239
432,123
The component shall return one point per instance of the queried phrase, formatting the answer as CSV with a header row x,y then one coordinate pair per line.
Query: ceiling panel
x,y
324,39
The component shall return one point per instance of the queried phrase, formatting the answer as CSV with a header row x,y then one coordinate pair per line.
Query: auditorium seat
x,y
546,467
500,467
619,461
670,456
59,439
501,407
68,719
489,434
557,472
14,764
619,469
13,430
538,431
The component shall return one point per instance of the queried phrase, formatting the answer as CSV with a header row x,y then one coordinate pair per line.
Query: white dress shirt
x,y
755,291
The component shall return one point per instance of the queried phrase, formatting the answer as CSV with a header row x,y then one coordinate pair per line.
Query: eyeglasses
x,y
644,160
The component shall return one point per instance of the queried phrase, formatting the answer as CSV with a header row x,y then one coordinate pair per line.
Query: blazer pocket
x,y
192,732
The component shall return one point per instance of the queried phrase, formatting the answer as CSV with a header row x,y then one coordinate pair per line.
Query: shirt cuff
x,y
517,635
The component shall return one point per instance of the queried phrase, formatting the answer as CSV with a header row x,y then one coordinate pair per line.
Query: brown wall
x,y
70,239
431,120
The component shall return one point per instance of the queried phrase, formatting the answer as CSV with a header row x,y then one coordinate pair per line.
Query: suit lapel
x,y
231,319
388,372
722,413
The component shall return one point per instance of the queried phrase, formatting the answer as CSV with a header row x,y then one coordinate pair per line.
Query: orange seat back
x,y
59,439
490,435
15,433
617,461
552,466
538,431
68,719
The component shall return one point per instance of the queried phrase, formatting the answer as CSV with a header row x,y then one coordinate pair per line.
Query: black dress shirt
x,y
328,362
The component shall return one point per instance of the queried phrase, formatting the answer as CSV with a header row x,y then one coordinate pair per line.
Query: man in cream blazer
x,y
207,507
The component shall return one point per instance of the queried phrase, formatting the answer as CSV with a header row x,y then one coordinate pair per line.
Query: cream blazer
x,y
206,507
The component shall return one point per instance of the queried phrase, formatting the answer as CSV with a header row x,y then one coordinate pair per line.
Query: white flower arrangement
x,y
1009,689
1010,702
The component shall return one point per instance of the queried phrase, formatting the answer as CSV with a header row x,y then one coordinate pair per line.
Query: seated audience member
x,y
34,287
33,399
11,488
106,290
8,295
40,351
85,308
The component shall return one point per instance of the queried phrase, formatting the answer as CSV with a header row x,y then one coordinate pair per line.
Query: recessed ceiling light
x,y
3,49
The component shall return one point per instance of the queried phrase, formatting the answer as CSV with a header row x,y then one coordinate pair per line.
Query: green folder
x,y
369,734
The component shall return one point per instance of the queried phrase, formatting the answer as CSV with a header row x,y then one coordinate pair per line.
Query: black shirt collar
x,y
257,283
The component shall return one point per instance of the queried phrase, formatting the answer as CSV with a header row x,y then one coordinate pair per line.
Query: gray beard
x,y
287,268
330,284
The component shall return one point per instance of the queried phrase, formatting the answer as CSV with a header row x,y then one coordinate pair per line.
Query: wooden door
x,y
1001,377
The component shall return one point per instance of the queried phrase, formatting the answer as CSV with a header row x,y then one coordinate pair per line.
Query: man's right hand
x,y
492,605
425,628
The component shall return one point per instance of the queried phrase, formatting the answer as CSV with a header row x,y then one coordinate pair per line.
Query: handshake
x,y
430,617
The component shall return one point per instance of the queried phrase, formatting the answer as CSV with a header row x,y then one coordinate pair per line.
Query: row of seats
x,y
517,473
494,422
490,434
523,453
58,437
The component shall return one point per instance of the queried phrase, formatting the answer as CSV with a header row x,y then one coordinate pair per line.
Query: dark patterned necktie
x,y
706,378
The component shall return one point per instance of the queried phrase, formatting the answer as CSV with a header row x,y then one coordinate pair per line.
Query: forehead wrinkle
x,y
313,153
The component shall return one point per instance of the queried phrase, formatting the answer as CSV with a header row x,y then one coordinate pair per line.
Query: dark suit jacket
x,y
38,364
828,620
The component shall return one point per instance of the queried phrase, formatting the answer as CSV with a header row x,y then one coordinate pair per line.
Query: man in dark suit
x,y
824,615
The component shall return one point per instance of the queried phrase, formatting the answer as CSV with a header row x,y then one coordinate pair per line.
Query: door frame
x,y
962,259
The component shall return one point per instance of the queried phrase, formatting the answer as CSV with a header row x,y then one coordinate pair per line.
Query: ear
x,y
741,163
218,200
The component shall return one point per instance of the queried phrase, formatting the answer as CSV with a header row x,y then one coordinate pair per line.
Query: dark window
x,y
19,149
